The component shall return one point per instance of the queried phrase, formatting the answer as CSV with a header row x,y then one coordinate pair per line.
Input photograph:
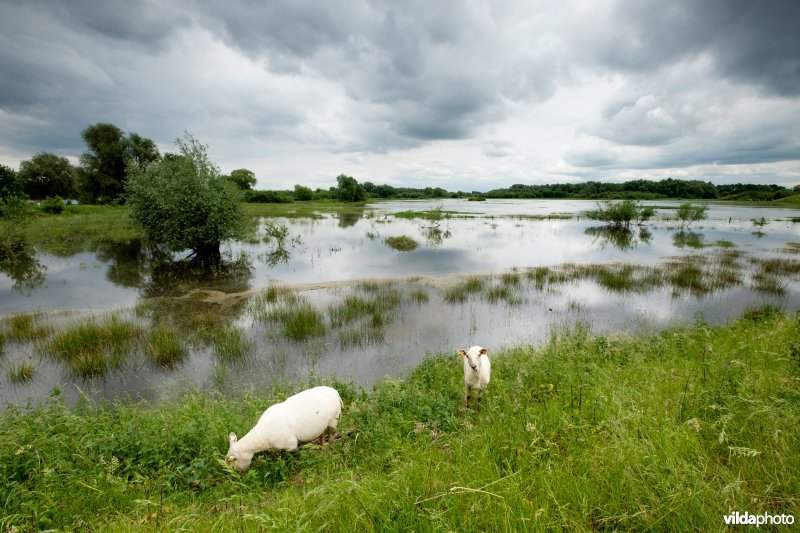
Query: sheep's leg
x,y
480,395
322,439
467,397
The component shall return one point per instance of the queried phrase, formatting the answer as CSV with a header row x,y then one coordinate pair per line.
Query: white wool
x,y
284,426
477,379
477,371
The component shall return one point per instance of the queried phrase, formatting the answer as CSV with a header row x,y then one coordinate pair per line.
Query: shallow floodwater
x,y
491,237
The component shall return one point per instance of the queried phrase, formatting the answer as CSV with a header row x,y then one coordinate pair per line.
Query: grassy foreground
x,y
667,432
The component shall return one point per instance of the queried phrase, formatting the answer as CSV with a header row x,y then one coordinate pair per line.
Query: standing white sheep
x,y
477,370
301,418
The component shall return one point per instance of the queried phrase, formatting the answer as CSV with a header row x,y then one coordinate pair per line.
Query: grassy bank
x,y
669,431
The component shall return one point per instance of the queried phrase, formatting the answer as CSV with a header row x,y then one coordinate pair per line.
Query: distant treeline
x,y
635,189
645,189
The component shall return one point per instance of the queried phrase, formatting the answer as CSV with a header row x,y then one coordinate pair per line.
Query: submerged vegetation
x,y
401,243
667,431
620,214
92,346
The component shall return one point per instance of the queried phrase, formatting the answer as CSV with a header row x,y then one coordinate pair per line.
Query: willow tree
x,y
184,202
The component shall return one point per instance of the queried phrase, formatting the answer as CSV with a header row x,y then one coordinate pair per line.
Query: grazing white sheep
x,y
477,370
301,418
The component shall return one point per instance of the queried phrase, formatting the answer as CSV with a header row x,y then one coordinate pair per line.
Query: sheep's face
x,y
239,461
473,356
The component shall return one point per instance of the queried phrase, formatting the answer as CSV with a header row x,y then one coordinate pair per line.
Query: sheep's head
x,y
473,356
239,461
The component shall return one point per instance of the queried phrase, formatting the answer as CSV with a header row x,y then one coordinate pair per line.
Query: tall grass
x,y
92,346
164,347
21,372
232,344
26,327
365,314
462,291
664,432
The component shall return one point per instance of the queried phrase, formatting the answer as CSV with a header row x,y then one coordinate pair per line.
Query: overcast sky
x,y
463,95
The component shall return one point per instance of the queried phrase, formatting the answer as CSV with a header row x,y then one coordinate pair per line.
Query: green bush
x,y
688,213
303,194
269,197
619,214
53,205
183,201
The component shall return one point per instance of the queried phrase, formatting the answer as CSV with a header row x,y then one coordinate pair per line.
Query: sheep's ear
x,y
232,438
484,351
462,353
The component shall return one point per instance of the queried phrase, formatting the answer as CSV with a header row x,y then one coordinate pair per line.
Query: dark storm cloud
x,y
427,70
143,23
749,41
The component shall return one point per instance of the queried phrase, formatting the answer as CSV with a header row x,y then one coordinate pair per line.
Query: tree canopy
x,y
9,185
47,174
349,190
244,179
184,202
109,158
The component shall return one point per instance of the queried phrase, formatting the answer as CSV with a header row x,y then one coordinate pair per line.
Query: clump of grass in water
x,y
510,279
792,248
93,346
401,243
300,321
778,265
768,283
232,344
21,372
361,335
164,347
370,313
26,327
501,292
419,296
462,291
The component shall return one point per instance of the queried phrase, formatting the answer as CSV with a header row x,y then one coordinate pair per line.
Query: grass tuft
x,y
232,344
164,347
461,292
21,372
401,243
26,327
94,346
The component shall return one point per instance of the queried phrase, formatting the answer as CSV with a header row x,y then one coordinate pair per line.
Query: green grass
x,y
697,274
311,209
505,293
25,327
365,314
419,295
549,216
401,243
300,321
232,344
430,214
93,346
21,372
164,347
81,227
663,432
778,266
462,291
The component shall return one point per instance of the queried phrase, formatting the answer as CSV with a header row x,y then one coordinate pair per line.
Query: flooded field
x,y
365,295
